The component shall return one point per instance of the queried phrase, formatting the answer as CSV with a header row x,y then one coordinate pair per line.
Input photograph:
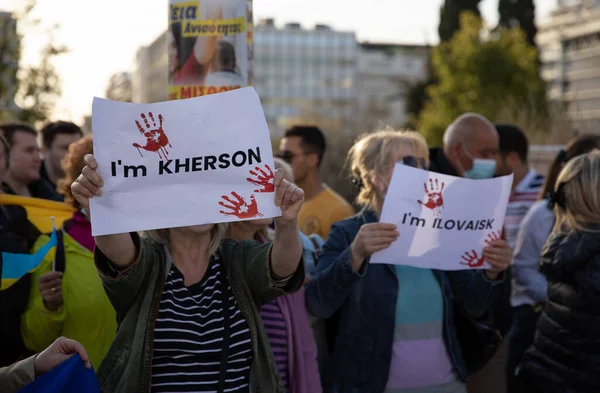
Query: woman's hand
x,y
59,351
50,285
370,239
287,196
498,254
88,184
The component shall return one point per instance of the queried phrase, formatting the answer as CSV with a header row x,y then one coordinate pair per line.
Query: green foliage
x,y
34,87
450,16
494,75
519,13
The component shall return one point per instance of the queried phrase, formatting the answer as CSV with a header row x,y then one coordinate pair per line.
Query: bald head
x,y
470,136
468,127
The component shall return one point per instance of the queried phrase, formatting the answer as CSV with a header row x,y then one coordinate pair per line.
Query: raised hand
x,y
263,179
498,254
434,191
370,239
156,139
88,184
59,351
287,196
50,285
239,207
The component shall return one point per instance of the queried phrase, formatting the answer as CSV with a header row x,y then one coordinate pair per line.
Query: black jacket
x,y
565,356
17,235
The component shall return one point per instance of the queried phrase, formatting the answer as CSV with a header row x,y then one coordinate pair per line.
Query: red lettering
x,y
212,90
186,92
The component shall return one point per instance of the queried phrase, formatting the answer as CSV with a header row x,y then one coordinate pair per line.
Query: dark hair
x,y
313,140
224,58
4,145
10,129
73,165
52,129
577,146
513,140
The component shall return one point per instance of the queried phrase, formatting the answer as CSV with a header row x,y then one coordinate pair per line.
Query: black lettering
x,y
224,161
439,223
185,165
209,162
197,164
236,162
489,224
113,167
461,225
470,226
255,155
480,225
435,220
163,167
190,13
451,226
415,221
134,169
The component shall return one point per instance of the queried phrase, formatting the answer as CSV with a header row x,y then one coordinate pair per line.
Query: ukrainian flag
x,y
15,266
39,210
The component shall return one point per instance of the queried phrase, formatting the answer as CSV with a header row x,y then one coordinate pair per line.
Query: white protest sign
x,y
444,221
180,163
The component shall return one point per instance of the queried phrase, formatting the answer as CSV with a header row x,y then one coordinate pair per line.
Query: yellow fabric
x,y
86,315
40,211
318,214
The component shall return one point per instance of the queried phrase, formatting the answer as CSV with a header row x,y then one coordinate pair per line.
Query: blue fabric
x,y
15,266
419,296
70,377
310,252
366,304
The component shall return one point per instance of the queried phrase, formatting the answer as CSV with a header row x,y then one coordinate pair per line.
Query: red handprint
x,y
239,207
262,178
472,259
435,201
156,139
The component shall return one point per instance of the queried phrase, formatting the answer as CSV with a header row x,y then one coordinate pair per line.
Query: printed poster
x,y
209,46
444,221
179,163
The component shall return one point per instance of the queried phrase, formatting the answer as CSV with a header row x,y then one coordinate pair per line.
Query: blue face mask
x,y
483,168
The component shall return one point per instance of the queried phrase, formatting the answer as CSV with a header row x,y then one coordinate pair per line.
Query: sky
x,y
104,37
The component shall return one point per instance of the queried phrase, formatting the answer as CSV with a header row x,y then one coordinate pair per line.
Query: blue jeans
x,y
520,338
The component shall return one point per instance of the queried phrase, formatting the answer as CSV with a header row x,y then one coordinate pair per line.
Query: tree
x,y
494,75
519,13
450,13
35,87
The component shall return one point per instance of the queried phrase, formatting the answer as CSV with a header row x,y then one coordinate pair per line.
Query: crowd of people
x,y
293,304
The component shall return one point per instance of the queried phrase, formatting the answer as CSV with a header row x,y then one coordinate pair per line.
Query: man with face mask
x,y
470,149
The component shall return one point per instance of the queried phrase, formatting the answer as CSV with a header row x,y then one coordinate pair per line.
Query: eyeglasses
x,y
288,156
414,162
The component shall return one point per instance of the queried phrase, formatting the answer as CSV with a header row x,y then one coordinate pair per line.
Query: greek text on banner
x,y
227,27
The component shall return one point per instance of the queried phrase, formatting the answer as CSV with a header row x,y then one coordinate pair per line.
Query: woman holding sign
x,y
188,306
396,329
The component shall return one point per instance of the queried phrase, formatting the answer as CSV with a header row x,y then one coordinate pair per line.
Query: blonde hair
x,y
217,233
580,183
372,153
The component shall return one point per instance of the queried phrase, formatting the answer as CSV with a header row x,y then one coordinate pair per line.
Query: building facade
x,y
385,74
150,74
305,75
120,87
569,43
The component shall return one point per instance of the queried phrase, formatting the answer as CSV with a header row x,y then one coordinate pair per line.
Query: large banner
x,y
209,46
180,163
444,221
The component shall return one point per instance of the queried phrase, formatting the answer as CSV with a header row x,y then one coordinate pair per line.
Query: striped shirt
x,y
420,361
525,194
275,328
188,336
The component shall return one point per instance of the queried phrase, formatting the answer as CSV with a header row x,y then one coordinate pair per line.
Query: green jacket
x,y
86,314
135,294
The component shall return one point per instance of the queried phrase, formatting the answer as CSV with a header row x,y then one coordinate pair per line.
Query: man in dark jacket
x,y
470,148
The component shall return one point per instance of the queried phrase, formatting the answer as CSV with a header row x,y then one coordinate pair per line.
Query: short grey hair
x,y
217,233
464,128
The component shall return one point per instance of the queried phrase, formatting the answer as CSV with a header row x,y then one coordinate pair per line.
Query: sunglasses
x,y
414,162
288,156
